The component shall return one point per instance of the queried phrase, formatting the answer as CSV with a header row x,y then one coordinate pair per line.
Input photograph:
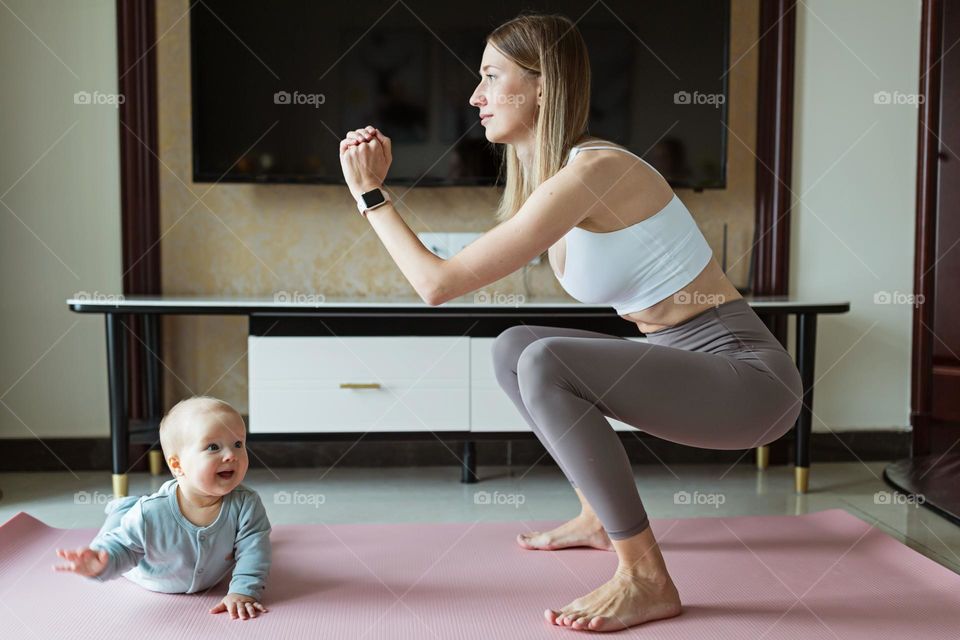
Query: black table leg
x,y
773,323
116,383
468,472
151,360
806,351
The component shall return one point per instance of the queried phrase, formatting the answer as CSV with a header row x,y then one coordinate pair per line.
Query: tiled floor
x,y
434,494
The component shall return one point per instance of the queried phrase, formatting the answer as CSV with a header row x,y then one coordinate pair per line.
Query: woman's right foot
x,y
582,531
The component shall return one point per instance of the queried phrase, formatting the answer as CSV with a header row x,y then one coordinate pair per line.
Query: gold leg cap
x,y
156,462
801,479
119,485
763,458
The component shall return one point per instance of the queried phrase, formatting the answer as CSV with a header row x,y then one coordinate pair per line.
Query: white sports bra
x,y
636,267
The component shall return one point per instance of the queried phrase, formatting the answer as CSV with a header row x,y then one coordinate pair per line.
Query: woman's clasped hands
x,y
365,157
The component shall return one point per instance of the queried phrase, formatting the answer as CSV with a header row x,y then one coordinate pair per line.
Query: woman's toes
x,y
524,540
581,622
599,623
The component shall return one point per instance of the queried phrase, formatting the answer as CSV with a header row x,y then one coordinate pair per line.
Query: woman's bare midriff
x,y
709,289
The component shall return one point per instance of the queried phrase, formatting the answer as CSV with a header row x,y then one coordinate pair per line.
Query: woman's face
x,y
508,98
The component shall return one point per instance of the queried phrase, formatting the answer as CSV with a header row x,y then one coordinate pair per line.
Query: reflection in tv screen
x,y
276,85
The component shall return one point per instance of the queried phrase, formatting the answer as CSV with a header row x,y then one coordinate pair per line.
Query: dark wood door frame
x,y
775,80
139,188
928,160
139,167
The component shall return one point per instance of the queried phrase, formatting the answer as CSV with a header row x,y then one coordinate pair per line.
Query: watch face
x,y
372,198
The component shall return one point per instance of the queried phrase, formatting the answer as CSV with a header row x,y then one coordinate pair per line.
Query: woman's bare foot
x,y
583,531
626,600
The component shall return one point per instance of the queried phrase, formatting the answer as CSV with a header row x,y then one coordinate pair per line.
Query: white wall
x,y
61,233
853,218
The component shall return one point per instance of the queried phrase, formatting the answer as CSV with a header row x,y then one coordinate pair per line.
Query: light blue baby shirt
x,y
155,546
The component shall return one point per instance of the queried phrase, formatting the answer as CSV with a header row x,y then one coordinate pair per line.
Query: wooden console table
x,y
411,317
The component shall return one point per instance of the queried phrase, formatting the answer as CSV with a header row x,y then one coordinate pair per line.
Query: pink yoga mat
x,y
821,575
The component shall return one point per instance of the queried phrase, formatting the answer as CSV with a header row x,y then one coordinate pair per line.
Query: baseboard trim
x,y
93,454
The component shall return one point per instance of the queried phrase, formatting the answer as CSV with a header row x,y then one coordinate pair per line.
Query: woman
x,y
710,375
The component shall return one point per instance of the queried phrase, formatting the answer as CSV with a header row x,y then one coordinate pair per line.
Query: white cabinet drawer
x,y
350,384
490,408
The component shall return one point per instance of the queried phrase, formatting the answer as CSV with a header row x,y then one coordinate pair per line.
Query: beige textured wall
x,y
258,239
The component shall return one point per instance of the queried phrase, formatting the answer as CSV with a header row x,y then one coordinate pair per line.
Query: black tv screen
x,y
276,84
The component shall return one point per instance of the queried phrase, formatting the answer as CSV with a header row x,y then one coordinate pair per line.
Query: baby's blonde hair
x,y
171,426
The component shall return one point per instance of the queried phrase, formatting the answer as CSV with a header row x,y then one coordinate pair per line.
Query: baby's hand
x,y
239,605
84,561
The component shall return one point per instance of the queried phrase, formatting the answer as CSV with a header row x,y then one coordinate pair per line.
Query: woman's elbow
x,y
433,297
442,290
437,288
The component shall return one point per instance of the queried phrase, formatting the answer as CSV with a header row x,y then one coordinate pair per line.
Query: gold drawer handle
x,y
359,385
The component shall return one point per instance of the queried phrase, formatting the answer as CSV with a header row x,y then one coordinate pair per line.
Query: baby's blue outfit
x,y
151,543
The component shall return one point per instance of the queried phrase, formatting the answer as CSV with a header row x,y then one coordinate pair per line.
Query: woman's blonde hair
x,y
549,46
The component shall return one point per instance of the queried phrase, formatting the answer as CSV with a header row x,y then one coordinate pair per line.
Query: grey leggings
x,y
719,380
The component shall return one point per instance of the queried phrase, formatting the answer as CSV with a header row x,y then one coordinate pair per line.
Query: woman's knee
x,y
537,367
507,348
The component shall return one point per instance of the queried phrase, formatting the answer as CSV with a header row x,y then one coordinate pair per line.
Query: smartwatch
x,y
371,200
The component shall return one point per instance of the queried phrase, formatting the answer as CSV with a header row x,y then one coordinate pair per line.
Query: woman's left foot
x,y
624,601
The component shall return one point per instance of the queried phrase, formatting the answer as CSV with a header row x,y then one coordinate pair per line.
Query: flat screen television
x,y
276,84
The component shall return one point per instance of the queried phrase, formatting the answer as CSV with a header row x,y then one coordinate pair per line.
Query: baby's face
x,y
214,456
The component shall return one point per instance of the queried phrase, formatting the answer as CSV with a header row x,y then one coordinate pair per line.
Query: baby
x,y
199,526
